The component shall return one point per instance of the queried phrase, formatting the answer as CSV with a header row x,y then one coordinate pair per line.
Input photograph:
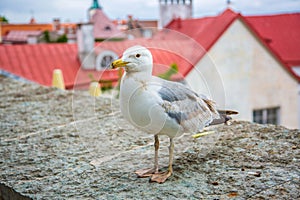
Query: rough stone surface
x,y
67,145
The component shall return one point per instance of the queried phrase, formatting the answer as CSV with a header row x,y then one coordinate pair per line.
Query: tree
x,y
49,38
3,19
63,38
170,72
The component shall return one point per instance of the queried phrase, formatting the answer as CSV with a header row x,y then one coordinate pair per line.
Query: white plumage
x,y
158,106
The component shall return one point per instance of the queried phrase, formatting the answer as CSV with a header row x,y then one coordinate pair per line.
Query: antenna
x,y
32,20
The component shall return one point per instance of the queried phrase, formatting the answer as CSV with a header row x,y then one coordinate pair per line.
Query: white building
x,y
241,70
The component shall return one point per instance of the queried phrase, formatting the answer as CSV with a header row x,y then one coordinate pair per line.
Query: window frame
x,y
101,56
269,115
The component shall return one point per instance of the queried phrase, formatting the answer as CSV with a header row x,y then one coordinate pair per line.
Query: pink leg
x,y
149,172
162,177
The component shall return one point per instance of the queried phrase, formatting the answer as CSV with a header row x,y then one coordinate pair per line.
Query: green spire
x,y
95,5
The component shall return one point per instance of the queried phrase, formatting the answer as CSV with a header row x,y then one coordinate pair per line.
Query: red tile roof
x,y
279,33
37,62
6,28
20,36
204,30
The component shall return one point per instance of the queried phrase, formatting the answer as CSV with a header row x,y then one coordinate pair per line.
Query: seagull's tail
x,y
224,117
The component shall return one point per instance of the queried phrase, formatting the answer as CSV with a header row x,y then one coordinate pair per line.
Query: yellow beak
x,y
118,63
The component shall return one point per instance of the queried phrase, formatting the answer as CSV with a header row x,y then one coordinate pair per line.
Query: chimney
x,y
56,24
85,45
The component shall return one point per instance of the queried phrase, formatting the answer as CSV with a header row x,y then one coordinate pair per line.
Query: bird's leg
x,y
149,172
162,177
156,147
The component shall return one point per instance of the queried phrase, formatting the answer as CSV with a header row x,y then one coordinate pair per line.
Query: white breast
x,y
141,106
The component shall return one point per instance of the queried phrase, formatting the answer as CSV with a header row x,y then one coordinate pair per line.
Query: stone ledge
x,y
64,145
9,193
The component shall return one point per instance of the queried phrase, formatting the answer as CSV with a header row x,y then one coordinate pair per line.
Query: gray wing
x,y
187,108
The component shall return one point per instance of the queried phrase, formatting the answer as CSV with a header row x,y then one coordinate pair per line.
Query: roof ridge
x,y
220,24
272,15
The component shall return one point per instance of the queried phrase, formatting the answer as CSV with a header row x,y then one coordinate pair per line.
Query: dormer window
x,y
107,28
104,59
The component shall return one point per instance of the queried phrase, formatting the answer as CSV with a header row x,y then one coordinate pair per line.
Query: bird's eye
x,y
138,55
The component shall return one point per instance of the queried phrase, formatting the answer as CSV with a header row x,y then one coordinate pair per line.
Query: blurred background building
x,y
246,63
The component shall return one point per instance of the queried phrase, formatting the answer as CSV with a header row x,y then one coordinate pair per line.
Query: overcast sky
x,y
20,11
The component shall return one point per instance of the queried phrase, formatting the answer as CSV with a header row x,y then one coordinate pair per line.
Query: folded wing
x,y
187,108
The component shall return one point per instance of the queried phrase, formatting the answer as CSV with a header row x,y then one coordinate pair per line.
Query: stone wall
x,y
67,145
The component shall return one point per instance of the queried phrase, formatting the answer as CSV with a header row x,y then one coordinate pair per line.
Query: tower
x,y
95,6
103,27
170,9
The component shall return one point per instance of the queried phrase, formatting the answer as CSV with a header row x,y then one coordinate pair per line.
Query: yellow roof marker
x,y
58,79
94,89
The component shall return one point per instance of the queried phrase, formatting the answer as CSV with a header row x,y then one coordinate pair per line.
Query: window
x,y
258,116
266,116
104,59
107,28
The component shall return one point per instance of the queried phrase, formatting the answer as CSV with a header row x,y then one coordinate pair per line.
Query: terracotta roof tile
x,y
204,30
279,33
20,36
37,62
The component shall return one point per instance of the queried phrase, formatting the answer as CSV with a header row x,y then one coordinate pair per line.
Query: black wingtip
x,y
224,117
228,112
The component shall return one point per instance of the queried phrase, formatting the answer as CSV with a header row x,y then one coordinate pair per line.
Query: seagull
x,y
161,107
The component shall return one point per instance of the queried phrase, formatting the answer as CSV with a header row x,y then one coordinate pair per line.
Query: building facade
x,y
242,74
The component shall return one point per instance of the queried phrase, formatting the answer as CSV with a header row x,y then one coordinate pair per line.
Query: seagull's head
x,y
135,59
